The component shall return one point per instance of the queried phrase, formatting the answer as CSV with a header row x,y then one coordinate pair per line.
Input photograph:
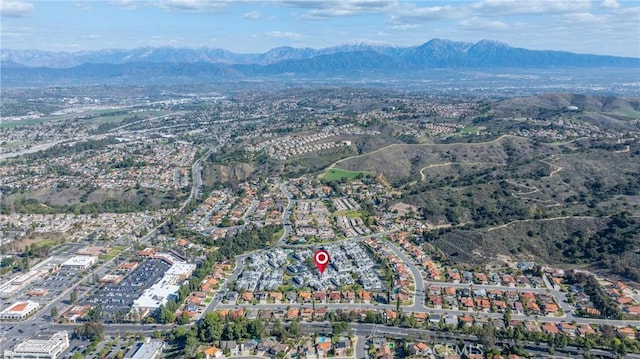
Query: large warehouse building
x,y
50,348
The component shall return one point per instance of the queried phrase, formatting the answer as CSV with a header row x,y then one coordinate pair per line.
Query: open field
x,y
20,123
401,163
335,174
99,117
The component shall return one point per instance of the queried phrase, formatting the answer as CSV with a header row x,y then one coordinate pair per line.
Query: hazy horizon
x,y
195,48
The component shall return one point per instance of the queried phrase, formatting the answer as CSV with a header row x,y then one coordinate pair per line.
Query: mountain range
x,y
29,66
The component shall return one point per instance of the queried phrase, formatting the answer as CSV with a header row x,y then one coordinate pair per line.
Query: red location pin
x,y
321,257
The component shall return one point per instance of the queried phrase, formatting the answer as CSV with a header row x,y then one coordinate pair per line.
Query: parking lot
x,y
114,298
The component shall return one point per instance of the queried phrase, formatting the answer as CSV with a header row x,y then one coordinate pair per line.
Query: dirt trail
x,y
626,149
423,177
554,167
541,219
384,181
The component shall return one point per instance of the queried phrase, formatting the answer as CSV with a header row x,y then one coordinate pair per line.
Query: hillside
x,y
401,163
606,243
534,105
520,198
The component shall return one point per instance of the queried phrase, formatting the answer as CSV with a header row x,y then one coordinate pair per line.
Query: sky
x,y
609,27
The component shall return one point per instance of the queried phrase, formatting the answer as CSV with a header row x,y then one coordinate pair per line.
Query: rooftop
x,y
21,307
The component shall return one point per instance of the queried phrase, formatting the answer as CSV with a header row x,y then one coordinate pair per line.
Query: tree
x,y
294,328
191,347
94,314
77,355
185,318
73,297
54,313
90,331
487,337
339,328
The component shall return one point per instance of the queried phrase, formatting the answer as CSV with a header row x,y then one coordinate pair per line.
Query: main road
x,y
418,299
286,214
363,331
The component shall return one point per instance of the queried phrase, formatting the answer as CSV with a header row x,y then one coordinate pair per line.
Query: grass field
x,y
103,116
19,123
46,243
278,234
335,174
469,130
115,250
351,214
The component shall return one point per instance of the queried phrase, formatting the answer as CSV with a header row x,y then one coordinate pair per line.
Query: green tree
x,y
184,318
73,297
90,331
191,347
54,313
294,328
95,314
339,328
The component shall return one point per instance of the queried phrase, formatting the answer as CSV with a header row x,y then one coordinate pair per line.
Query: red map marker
x,y
321,257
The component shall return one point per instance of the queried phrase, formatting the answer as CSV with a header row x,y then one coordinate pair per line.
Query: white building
x,y
40,349
79,262
20,310
167,287
150,349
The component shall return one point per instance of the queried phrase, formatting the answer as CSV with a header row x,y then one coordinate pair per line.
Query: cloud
x,y
189,5
283,35
128,4
610,4
584,17
82,5
476,23
404,27
16,32
324,9
252,15
15,8
519,7
408,13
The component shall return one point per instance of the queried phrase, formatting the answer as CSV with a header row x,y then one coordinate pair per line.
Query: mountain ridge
x,y
166,65
436,51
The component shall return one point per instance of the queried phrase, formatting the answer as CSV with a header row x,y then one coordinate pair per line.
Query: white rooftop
x,y
180,269
157,294
79,261
41,346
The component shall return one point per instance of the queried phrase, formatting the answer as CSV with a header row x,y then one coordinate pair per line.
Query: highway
x,y
363,331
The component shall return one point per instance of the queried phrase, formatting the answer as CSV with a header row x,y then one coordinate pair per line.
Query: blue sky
x,y
601,27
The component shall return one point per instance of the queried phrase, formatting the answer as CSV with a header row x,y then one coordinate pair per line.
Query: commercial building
x,y
79,262
167,287
149,349
50,348
111,278
20,310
